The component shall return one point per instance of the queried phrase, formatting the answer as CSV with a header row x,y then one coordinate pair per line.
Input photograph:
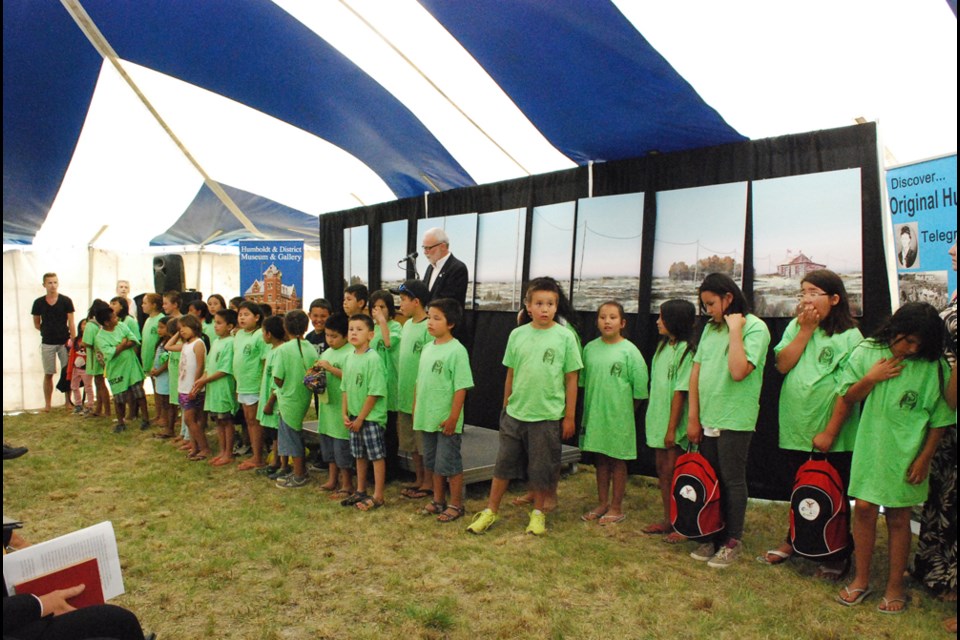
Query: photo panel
x,y
699,231
499,270
393,242
356,247
551,242
607,259
800,224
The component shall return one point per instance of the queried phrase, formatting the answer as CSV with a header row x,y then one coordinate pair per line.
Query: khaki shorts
x,y
49,354
409,440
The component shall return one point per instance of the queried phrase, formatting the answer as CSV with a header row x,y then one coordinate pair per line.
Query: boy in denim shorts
x,y
365,412
539,401
443,378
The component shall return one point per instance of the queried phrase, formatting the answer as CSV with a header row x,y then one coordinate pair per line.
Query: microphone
x,y
411,256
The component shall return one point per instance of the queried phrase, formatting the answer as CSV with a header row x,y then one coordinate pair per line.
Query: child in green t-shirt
x,y
900,376
615,380
249,351
355,298
274,335
291,363
386,340
117,344
413,298
364,413
219,386
148,349
811,355
101,405
666,419
724,401
159,372
442,381
334,436
539,402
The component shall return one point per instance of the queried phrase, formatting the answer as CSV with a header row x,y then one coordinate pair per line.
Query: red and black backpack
x,y
819,511
695,497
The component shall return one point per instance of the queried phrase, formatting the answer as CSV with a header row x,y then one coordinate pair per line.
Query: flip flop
x,y
162,436
196,457
674,538
247,465
219,462
608,520
885,603
833,574
859,596
780,555
340,494
416,494
657,528
590,516
521,501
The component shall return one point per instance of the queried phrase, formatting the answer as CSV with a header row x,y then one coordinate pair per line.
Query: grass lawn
x,y
215,553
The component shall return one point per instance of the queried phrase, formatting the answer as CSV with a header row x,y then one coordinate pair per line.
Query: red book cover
x,y
86,573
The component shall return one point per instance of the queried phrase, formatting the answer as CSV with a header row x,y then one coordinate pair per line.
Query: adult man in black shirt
x,y
53,318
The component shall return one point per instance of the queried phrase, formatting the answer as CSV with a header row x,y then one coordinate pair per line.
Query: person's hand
x,y
919,470
449,427
735,320
885,369
354,425
823,441
569,428
694,431
670,439
808,317
55,603
322,364
378,315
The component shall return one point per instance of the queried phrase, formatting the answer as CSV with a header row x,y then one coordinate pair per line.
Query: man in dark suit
x,y
446,277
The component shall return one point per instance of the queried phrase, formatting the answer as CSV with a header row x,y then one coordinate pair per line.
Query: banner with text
x,y
271,272
923,211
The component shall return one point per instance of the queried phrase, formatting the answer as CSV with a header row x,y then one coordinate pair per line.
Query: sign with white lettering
x,y
271,272
923,212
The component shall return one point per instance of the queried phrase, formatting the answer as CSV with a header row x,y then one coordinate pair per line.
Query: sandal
x,y
884,606
451,513
674,538
197,457
369,504
592,515
247,465
858,596
781,557
831,573
609,519
657,528
433,509
416,494
353,499
340,494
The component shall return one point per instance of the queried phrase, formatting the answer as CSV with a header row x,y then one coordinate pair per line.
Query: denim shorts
x,y
441,454
336,451
290,441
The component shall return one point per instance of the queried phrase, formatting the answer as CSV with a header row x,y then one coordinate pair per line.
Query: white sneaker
x,y
726,555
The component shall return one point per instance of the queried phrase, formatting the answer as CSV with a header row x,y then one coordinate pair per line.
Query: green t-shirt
x,y
290,365
173,366
412,339
363,376
134,326
248,350
122,369
613,376
209,330
893,425
331,412
669,373
724,403
540,358
94,357
267,386
809,390
148,345
221,394
390,358
444,370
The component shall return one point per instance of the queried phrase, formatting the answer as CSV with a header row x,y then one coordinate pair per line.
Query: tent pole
x,y
90,251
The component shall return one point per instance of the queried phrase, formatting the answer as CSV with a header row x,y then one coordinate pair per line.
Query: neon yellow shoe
x,y
538,523
482,521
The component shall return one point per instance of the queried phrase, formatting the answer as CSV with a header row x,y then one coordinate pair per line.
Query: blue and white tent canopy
x,y
184,122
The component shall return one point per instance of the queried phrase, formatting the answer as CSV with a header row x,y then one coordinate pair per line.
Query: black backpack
x,y
819,511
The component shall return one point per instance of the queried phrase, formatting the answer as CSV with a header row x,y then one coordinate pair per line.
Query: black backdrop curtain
x,y
831,150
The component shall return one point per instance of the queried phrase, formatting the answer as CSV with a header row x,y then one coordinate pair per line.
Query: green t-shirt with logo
x,y
669,373
221,394
149,341
613,376
540,358
893,425
134,326
390,358
412,339
809,390
174,366
444,370
331,412
363,376
94,357
121,369
209,330
725,403
290,365
248,350
268,386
